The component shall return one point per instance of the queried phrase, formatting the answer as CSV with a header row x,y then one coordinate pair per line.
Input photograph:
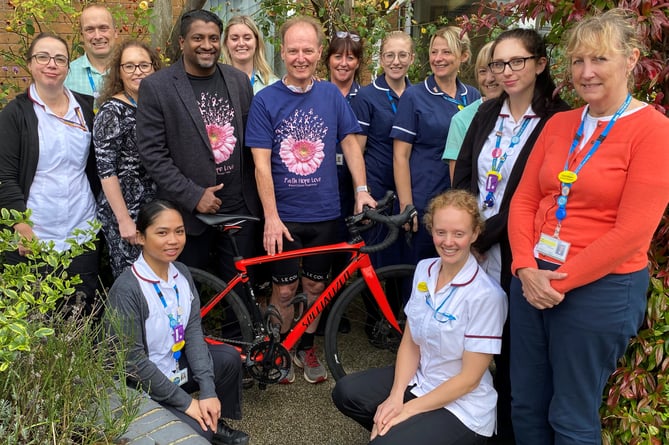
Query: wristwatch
x,y
361,188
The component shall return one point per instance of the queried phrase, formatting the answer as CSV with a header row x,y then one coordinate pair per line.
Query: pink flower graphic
x,y
222,140
302,157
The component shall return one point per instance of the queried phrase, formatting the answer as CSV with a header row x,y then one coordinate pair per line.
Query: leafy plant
x,y
59,371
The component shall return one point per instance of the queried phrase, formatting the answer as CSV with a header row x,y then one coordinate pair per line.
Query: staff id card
x,y
179,377
553,247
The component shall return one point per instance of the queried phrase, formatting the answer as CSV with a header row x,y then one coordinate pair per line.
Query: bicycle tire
x,y
371,342
229,319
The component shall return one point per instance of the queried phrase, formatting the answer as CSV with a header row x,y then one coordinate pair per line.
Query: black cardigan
x,y
466,176
19,150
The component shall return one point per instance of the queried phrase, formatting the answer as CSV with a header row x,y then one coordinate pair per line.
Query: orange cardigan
x,y
614,207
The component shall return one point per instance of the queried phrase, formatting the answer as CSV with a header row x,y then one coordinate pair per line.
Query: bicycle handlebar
x,y
356,222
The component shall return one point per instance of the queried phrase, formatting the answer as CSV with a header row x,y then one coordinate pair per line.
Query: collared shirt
x,y
159,340
423,120
84,78
493,260
478,307
295,88
258,84
375,106
60,195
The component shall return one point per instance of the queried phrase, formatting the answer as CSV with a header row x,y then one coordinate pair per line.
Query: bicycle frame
x,y
359,261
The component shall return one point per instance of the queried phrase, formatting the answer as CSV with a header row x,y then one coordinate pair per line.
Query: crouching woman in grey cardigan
x,y
155,311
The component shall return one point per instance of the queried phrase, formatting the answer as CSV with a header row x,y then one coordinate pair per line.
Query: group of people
x,y
524,207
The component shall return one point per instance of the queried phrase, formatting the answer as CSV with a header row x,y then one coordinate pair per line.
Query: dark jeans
x,y
228,381
358,395
561,358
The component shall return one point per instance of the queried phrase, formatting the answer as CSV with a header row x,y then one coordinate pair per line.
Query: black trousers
x,y
228,381
358,395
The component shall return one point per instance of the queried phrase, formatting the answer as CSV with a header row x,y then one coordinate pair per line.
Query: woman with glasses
x,y
47,162
492,159
125,182
421,126
440,390
375,106
244,49
591,196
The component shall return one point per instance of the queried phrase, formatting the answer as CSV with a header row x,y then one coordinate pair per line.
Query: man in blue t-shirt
x,y
293,129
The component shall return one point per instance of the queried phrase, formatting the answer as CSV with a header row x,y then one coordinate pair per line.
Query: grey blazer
x,y
173,143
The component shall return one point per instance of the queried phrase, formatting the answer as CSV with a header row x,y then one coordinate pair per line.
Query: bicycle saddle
x,y
218,219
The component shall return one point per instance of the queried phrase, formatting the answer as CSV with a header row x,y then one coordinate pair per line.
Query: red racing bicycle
x,y
372,304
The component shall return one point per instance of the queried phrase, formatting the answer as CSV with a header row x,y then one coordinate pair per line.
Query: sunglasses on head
x,y
345,34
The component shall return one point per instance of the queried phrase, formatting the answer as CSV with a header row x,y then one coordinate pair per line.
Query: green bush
x,y
59,373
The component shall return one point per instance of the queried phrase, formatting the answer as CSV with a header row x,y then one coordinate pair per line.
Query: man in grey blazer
x,y
190,135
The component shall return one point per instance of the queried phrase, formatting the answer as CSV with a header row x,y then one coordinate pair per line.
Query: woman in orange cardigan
x,y
593,191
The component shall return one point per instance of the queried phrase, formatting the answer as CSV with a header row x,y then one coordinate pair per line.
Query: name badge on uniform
x,y
553,247
340,159
179,377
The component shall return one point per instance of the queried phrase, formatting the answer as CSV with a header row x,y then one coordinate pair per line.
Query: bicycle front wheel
x,y
229,320
371,341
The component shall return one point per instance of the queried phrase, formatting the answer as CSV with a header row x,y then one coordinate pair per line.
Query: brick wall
x,y
65,26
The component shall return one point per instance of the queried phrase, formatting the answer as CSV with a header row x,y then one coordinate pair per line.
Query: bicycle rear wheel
x,y
372,342
229,320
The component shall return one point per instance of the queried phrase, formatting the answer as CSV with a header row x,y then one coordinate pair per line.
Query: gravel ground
x,y
298,414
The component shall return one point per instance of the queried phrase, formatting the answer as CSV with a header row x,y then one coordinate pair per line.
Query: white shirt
x,y
60,195
478,307
159,339
493,257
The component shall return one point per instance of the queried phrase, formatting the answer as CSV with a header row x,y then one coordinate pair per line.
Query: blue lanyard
x,y
90,80
494,176
460,105
253,78
173,321
392,101
449,317
567,177
130,99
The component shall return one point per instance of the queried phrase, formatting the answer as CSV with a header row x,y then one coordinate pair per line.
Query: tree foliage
x,y
651,74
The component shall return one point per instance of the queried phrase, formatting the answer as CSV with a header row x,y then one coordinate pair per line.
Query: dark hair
x,y
545,97
189,17
343,45
113,83
150,211
46,35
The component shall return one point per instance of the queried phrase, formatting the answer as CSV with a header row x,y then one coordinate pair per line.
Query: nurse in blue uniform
x,y
421,127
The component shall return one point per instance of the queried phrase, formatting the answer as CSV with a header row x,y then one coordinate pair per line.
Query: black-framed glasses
x,y
130,68
389,57
44,59
345,34
516,64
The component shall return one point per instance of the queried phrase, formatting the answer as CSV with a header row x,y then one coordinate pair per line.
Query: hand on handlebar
x,y
363,200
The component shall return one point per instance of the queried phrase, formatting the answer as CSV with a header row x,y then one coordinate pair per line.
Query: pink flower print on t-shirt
x,y
222,140
302,157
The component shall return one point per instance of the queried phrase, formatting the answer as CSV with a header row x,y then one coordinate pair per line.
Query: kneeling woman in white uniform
x,y
158,317
440,390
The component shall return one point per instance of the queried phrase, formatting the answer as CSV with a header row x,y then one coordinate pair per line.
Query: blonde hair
x,y
259,57
457,41
484,56
459,199
400,35
612,31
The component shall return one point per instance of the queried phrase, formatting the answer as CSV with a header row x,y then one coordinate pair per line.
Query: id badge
x,y
553,247
179,377
340,158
